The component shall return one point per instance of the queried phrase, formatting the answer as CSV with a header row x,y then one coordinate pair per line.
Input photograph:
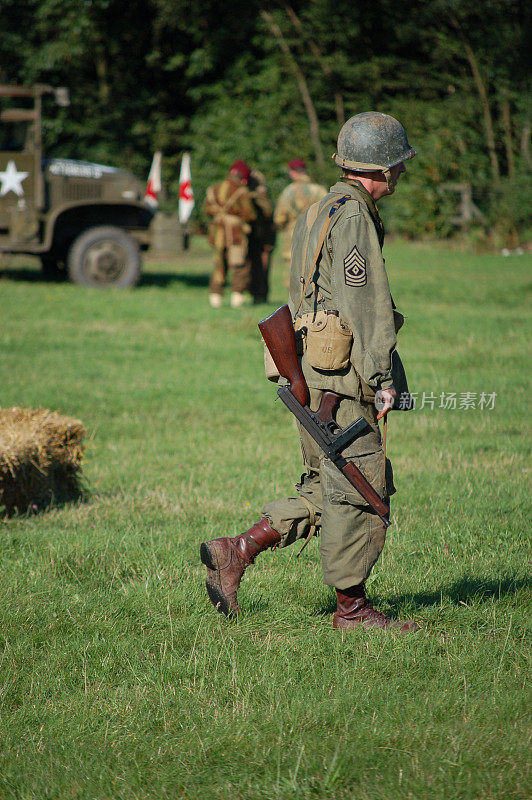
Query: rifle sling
x,y
224,208
384,436
306,278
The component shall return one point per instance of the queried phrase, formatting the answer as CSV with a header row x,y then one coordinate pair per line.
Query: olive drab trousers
x,y
352,535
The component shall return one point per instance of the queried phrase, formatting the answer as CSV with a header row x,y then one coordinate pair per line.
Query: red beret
x,y
241,168
297,164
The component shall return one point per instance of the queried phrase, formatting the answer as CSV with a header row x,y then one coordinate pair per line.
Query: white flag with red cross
x,y
153,187
186,195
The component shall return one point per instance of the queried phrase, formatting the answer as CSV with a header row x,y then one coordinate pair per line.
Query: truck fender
x,y
129,215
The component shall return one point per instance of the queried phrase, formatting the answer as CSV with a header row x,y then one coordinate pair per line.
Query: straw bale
x,y
40,458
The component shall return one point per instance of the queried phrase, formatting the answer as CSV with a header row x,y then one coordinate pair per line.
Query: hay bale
x,y
40,458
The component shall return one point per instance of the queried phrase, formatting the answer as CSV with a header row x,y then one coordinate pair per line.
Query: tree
x,y
271,81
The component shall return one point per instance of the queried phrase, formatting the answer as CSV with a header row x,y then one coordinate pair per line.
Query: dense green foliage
x,y
224,81
117,678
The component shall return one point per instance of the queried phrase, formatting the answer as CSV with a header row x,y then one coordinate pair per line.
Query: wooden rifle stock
x,y
356,479
278,333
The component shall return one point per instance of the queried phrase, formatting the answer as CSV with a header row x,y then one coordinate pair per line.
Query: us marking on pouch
x,y
355,268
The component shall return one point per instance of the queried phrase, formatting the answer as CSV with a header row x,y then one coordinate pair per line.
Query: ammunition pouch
x,y
326,339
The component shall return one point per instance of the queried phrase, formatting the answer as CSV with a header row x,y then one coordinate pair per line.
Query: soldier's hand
x,y
384,400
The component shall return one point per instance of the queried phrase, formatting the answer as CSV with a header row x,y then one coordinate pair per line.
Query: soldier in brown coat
x,y
231,210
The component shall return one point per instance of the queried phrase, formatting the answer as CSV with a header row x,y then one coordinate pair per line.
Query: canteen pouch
x,y
236,254
328,340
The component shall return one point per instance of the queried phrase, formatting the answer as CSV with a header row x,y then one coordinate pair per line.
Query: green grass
x,y
118,679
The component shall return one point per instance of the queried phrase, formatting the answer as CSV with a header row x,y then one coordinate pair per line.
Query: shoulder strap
x,y
312,215
233,198
306,278
216,196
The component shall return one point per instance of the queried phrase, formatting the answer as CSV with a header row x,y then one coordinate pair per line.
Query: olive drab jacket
x,y
229,205
293,201
349,278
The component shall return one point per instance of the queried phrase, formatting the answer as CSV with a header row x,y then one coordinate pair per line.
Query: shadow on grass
x,y
148,279
162,279
18,501
465,590
23,274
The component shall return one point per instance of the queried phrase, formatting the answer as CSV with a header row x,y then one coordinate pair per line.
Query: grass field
x,y
118,679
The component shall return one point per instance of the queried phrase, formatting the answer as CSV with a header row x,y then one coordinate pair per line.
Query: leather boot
x,y
227,559
354,609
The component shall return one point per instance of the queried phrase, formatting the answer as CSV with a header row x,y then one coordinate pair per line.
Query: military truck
x,y
85,221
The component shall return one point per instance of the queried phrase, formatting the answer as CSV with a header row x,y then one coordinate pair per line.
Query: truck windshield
x,y
14,136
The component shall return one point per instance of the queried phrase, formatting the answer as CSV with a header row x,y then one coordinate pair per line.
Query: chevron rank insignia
x,y
355,269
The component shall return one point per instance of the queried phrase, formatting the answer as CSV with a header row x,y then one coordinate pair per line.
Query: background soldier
x,y
261,238
230,206
345,299
293,201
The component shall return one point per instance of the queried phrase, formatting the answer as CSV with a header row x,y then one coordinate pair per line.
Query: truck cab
x,y
85,221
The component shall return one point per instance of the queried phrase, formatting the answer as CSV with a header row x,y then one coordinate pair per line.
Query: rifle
x,y
278,333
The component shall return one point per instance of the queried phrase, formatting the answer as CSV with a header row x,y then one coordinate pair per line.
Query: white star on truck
x,y
12,179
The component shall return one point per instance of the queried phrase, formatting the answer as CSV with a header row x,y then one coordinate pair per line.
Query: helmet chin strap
x,y
391,182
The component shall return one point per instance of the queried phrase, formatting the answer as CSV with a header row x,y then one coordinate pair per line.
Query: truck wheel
x,y
104,257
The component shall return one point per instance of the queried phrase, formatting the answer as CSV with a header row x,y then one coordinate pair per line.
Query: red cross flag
x,y
153,187
186,195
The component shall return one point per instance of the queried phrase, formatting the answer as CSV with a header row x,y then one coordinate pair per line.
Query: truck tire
x,y
104,257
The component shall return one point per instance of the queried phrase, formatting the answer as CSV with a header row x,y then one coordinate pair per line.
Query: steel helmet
x,y
372,141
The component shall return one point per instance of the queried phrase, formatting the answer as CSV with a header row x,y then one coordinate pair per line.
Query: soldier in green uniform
x,y
293,201
231,210
337,250
261,238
